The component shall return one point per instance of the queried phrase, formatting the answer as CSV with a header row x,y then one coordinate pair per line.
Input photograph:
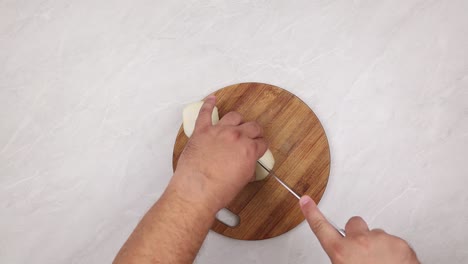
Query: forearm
x,y
217,162
172,231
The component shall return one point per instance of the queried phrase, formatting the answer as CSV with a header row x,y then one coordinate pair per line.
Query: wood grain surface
x,y
302,159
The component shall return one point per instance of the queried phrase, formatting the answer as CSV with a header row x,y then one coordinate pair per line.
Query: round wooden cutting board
x,y
302,159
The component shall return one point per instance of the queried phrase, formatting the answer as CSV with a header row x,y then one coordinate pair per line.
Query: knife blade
x,y
341,231
279,180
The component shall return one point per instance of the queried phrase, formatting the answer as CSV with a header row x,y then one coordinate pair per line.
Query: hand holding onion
x,y
230,146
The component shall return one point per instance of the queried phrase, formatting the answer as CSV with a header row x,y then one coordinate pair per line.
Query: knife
x,y
272,173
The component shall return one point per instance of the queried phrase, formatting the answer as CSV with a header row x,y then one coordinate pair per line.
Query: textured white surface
x,y
91,94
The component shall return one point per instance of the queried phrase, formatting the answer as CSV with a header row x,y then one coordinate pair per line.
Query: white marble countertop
x,y
91,94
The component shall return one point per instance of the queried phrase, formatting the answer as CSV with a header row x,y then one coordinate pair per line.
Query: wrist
x,y
192,191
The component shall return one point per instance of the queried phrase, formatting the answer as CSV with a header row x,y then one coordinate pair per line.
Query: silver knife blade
x,y
272,173
279,180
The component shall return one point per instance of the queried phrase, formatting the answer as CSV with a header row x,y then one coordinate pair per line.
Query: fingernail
x,y
305,200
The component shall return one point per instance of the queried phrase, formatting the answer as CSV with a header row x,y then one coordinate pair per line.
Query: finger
x,y
231,119
261,147
356,226
251,129
378,231
204,116
325,232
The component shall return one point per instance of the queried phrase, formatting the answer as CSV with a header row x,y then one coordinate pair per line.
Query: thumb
x,y
204,116
324,231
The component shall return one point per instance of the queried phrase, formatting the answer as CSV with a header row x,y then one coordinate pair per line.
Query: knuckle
x,y
205,108
401,244
250,149
255,125
363,241
233,117
317,225
378,232
258,128
232,134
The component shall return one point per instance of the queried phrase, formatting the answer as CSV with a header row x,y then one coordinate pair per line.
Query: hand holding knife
x,y
272,173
